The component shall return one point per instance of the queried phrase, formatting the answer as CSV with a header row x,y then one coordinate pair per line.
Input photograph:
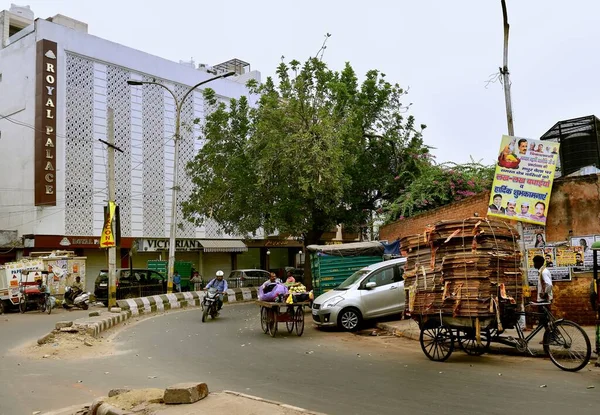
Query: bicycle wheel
x,y
299,317
568,346
264,319
48,305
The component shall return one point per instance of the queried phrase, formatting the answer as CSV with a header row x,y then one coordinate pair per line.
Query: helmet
x,y
219,273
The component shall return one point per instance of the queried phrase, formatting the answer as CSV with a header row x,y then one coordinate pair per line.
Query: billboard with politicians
x,y
523,180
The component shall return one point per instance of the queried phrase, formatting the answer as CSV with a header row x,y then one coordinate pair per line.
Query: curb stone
x,y
281,404
134,307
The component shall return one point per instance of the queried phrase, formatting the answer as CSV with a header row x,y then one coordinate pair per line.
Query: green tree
x,y
318,149
435,185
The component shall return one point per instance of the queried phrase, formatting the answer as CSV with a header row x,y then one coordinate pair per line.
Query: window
x,y
382,277
155,277
399,275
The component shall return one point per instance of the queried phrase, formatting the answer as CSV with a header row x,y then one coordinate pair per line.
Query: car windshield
x,y
352,279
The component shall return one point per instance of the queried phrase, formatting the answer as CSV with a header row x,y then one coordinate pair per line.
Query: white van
x,y
373,291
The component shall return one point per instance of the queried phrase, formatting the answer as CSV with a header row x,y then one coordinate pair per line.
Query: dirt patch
x,y
69,345
132,399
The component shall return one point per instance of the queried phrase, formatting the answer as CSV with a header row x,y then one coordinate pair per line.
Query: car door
x,y
399,300
381,299
156,283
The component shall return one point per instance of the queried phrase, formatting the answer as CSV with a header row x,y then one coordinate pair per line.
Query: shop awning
x,y
223,245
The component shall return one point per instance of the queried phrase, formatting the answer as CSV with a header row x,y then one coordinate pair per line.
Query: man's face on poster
x,y
524,209
523,147
539,209
510,207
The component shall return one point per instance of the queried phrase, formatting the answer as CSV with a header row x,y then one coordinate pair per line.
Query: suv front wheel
x,y
349,319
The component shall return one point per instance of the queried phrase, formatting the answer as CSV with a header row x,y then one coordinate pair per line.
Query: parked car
x,y
131,284
373,291
239,278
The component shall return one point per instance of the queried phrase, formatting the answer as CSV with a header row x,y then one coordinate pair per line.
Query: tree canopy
x,y
319,148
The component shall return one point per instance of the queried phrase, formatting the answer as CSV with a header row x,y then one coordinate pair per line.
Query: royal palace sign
x,y
45,123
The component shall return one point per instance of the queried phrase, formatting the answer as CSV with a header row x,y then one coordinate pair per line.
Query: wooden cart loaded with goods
x,y
464,282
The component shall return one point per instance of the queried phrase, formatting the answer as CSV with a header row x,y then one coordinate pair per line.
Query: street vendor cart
x,y
34,291
272,313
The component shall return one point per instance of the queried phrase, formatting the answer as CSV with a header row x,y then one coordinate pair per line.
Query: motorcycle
x,y
76,298
210,304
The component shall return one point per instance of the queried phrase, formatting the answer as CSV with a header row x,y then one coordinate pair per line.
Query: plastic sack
x,y
271,291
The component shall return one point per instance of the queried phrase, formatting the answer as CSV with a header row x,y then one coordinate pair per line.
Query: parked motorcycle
x,y
74,297
210,304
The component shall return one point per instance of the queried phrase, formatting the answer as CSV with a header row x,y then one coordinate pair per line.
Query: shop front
x,y
272,255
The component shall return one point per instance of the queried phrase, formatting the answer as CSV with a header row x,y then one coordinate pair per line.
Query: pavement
x,y
409,329
229,402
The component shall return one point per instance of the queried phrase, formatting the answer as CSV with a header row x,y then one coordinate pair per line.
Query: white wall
x,y
17,100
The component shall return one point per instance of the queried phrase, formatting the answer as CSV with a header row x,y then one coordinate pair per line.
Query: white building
x,y
56,84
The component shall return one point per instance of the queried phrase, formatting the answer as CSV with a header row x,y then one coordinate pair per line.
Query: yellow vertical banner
x,y
523,180
107,239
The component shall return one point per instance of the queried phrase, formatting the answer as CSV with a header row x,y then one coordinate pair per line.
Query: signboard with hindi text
x,y
523,180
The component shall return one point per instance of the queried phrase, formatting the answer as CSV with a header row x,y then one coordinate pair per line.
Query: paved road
x,y
336,373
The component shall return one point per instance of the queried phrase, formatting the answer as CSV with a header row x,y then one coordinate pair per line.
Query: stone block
x,y
94,314
69,330
185,393
59,325
45,339
115,309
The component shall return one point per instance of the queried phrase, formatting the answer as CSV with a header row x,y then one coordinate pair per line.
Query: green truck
x,y
332,264
183,267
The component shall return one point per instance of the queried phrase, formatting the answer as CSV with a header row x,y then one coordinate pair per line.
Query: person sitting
x,y
290,277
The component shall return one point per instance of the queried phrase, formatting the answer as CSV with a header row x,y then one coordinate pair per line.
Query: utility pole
x,y
511,132
110,222
506,74
176,139
112,251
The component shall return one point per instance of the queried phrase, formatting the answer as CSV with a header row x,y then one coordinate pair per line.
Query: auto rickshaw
x,y
34,290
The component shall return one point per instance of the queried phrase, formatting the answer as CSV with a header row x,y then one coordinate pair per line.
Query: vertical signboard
x,y
523,180
45,123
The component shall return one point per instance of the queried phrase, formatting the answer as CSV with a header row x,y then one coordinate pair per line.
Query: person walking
x,y
177,282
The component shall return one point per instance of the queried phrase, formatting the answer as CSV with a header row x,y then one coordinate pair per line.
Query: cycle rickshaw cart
x,y
464,285
34,291
272,313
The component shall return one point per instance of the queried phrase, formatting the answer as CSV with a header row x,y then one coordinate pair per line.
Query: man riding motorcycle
x,y
220,285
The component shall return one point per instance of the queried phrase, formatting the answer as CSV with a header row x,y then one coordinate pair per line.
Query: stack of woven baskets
x,y
462,268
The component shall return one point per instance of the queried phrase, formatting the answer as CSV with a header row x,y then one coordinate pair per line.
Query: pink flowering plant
x,y
435,185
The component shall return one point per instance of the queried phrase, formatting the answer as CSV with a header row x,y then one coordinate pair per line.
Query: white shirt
x,y
544,274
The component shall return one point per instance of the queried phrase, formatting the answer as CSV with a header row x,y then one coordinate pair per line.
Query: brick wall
x,y
416,224
574,210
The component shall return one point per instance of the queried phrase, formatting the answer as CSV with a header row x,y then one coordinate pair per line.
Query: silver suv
x,y
239,278
373,291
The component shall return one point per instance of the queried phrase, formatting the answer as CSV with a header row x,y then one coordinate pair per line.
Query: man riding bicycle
x,y
220,285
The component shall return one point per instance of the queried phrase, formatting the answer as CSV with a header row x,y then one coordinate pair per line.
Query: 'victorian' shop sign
x,y
150,245
45,124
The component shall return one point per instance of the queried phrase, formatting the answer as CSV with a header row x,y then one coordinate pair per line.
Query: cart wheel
x,y
468,342
436,341
264,319
272,322
289,323
299,317
22,305
1,307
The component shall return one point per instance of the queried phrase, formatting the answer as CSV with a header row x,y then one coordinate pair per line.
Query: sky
x,y
443,51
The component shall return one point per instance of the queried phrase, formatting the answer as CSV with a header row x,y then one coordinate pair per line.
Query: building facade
x,y
57,83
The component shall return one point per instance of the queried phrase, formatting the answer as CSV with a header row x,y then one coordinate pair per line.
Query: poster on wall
x,y
556,259
534,236
585,245
523,180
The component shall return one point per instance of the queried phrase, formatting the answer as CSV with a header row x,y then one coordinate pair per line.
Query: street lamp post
x,y
178,106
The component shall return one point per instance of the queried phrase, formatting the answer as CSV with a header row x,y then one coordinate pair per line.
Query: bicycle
x,y
565,342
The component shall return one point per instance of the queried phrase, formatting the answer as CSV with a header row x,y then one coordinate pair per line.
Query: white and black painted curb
x,y
134,307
